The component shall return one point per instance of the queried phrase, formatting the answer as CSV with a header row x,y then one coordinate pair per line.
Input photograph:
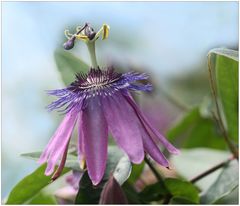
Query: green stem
x,y
91,49
155,172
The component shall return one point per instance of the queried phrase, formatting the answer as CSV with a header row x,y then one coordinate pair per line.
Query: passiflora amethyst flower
x,y
100,103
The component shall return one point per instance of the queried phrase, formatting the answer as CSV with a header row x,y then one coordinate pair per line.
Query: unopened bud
x,y
112,193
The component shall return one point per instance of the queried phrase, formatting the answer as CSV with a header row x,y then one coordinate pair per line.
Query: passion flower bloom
x,y
100,103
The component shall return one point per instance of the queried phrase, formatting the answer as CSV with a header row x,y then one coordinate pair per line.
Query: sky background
x,y
167,38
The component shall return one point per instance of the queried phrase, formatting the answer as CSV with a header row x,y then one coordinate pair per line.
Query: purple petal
x,y
152,149
95,134
80,147
148,126
124,126
58,142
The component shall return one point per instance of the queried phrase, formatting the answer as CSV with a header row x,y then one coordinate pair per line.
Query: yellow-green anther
x,y
106,29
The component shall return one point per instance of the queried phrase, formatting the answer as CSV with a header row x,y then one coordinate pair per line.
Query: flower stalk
x,y
91,50
153,169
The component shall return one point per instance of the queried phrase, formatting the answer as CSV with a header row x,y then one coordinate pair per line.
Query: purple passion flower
x,y
100,102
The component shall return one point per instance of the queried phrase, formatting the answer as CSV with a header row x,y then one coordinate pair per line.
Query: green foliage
x,y
226,182
226,71
42,199
153,192
182,189
136,172
87,193
30,186
131,193
68,65
180,200
195,130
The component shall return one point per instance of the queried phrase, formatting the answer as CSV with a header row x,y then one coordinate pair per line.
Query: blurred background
x,y
168,40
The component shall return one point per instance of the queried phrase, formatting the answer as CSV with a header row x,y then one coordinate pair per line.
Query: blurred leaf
x,y
136,172
188,89
43,199
180,200
226,71
29,186
182,189
71,162
226,182
153,192
89,194
68,65
194,130
192,162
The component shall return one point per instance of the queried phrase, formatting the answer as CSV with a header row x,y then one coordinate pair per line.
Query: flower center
x,y
95,80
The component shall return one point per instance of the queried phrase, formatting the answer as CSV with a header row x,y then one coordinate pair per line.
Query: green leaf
x,y
153,192
72,161
193,162
136,172
195,130
131,193
68,65
225,66
116,164
87,193
29,186
43,199
226,182
180,200
182,189
229,53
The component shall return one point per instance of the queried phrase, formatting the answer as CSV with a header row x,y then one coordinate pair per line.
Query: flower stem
x,y
91,49
153,169
231,146
213,169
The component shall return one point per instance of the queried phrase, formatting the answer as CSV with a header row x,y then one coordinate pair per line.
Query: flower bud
x,y
112,193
